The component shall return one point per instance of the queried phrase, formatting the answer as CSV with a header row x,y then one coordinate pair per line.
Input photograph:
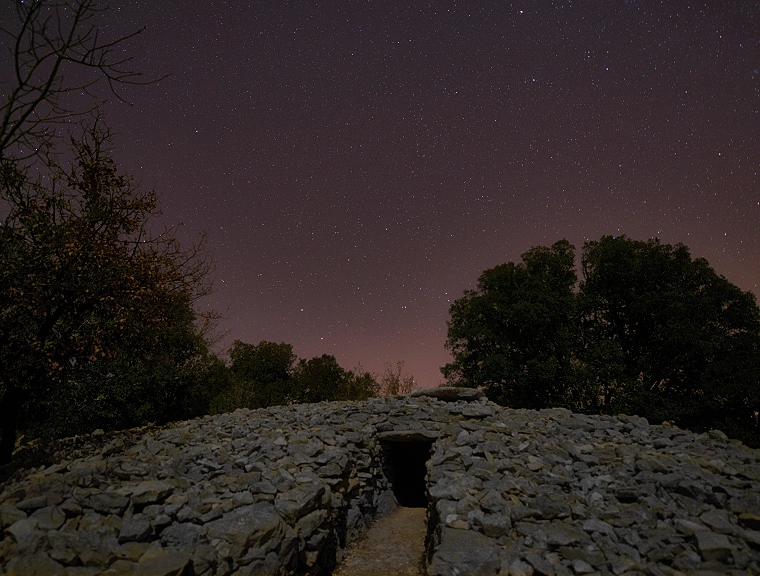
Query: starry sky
x,y
357,164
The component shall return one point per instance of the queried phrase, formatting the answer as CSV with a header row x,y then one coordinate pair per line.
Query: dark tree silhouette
x,y
80,272
55,50
263,373
648,330
514,334
688,340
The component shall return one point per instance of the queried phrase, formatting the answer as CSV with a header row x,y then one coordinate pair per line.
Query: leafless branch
x,y
51,37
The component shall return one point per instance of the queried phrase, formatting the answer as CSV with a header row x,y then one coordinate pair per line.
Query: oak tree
x,y
81,271
514,334
649,330
262,373
688,339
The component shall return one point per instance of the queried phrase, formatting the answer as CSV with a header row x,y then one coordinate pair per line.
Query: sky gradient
x,y
358,164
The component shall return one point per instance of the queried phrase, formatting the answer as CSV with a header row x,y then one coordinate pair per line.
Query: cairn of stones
x,y
284,490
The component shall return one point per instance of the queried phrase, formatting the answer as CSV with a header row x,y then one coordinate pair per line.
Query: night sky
x,y
358,164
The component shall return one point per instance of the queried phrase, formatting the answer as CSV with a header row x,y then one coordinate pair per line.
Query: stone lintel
x,y
408,436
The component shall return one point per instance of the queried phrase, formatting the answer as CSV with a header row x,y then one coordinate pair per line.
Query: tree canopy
x,y
648,329
322,378
81,275
263,373
97,318
269,373
514,334
688,341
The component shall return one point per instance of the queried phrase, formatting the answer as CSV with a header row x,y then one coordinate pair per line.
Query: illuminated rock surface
x,y
285,490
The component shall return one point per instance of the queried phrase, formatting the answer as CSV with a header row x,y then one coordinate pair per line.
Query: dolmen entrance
x,y
284,490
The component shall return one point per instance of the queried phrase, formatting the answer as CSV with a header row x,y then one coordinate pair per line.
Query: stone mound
x,y
284,490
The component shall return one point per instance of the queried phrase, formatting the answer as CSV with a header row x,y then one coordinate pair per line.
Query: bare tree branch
x,y
52,36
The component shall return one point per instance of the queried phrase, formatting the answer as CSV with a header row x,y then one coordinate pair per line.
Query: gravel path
x,y
393,546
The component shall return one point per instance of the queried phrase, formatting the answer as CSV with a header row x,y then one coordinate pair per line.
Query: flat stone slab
x,y
450,393
408,436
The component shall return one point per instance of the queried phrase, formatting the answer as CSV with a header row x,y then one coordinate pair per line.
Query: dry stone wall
x,y
283,490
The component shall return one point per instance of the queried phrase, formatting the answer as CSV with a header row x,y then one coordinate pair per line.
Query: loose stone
x,y
285,490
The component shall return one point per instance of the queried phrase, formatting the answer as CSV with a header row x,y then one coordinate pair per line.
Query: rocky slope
x,y
283,490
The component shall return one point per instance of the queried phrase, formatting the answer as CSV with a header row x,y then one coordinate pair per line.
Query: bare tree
x,y
394,382
56,50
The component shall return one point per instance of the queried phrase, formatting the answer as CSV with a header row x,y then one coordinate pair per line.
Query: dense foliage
x,y
514,334
86,289
268,374
648,330
97,324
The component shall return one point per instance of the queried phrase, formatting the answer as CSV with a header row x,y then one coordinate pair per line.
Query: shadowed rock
x,y
285,490
449,393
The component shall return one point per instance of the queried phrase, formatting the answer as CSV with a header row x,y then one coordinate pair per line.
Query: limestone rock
x,y
48,518
408,436
449,393
282,490
150,491
465,552
713,546
246,527
38,565
163,562
135,529
751,521
299,501
108,502
9,515
183,535
26,535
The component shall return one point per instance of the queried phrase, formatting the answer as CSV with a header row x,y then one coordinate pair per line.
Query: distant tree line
x,y
269,374
647,330
99,325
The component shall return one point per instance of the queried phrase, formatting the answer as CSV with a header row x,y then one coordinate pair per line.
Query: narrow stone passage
x,y
393,546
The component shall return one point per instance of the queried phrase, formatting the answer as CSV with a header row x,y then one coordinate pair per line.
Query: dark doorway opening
x,y
405,466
